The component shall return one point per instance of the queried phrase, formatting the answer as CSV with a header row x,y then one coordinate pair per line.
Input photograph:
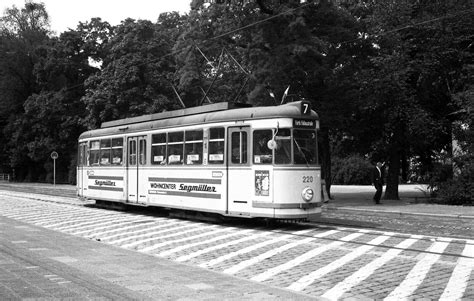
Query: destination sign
x,y
304,123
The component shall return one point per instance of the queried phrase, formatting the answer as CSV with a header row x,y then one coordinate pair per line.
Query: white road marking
x,y
221,246
42,211
306,256
458,281
337,291
99,226
125,230
184,247
61,220
252,261
244,264
174,234
169,242
418,273
150,236
303,282
90,222
250,249
35,215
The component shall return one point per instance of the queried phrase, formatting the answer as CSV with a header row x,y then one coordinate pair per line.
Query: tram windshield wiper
x,y
301,151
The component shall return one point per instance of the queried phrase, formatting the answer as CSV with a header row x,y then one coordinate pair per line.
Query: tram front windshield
x,y
304,147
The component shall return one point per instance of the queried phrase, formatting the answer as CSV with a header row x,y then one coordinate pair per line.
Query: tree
x,y
134,76
281,44
22,31
31,20
210,62
405,90
42,87
95,36
388,79
54,116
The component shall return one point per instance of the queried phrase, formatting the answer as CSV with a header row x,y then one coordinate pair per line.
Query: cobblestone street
x,y
349,255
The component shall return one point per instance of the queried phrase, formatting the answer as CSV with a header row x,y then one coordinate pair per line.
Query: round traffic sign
x,y
54,155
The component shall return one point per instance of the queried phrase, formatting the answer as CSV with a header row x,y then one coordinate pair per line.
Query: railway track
x,y
318,260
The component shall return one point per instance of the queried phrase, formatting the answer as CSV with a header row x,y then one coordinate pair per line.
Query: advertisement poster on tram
x,y
262,183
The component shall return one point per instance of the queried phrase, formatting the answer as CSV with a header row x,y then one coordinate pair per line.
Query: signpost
x,y
54,156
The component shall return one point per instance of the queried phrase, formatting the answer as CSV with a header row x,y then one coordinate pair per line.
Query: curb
x,y
400,213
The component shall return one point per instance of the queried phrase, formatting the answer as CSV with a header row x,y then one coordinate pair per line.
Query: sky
x,y
64,14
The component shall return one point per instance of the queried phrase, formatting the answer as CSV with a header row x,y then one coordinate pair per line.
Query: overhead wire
x,y
412,25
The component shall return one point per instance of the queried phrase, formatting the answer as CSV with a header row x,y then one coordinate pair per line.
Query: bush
x,y
353,170
458,191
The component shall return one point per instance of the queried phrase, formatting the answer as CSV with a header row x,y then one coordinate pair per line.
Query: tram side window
x,y
94,152
283,146
158,149
117,151
175,147
216,145
132,152
239,148
193,147
105,152
142,151
261,153
304,147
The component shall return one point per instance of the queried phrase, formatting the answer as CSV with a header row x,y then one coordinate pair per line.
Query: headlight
x,y
307,194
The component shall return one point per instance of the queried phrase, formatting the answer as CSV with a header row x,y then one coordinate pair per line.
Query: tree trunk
x,y
391,192
405,166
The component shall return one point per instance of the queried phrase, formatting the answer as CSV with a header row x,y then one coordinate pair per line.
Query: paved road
x,y
328,261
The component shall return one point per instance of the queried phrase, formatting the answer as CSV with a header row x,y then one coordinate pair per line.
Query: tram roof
x,y
218,112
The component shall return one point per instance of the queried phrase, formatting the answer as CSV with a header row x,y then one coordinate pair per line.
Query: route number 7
x,y
305,108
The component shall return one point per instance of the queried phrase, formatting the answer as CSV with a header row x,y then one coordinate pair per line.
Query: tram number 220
x,y
307,179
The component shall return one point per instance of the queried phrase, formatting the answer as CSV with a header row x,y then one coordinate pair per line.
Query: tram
x,y
253,162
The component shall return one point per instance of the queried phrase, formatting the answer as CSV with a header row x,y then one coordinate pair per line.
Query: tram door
x,y
239,181
136,159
